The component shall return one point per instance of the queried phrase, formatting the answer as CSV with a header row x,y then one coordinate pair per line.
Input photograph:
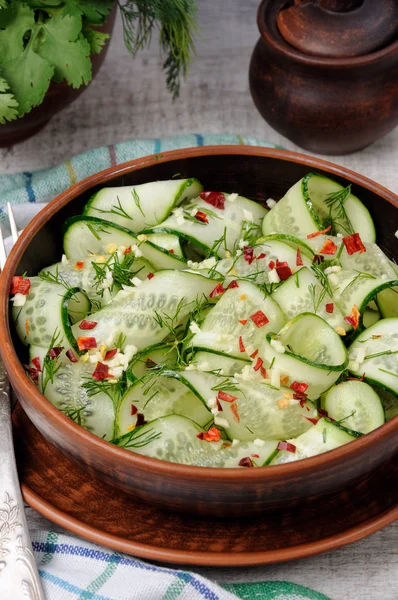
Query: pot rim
x,y
26,390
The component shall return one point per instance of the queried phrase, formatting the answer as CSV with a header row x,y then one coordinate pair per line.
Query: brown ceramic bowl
x,y
257,173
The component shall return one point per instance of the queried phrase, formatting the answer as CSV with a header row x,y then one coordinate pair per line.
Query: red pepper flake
x,y
255,455
150,275
299,260
271,265
246,462
259,318
71,355
127,250
140,420
213,435
259,364
329,247
54,352
79,265
88,324
353,318
235,413
299,387
36,363
376,336
20,285
110,354
218,290
226,397
241,345
356,378
316,233
353,243
85,343
219,407
283,270
318,259
149,363
313,420
260,256
323,412
33,373
101,372
263,372
301,397
134,410
27,326
226,445
201,216
171,251
243,321
233,284
248,254
286,446
329,307
216,199
254,354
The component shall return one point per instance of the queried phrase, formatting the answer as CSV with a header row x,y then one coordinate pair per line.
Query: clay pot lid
x,y
338,28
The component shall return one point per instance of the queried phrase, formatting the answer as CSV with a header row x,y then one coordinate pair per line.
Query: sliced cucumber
x,y
139,206
320,438
387,302
88,235
169,242
49,308
174,438
222,363
389,401
374,355
355,404
161,354
373,262
291,240
370,317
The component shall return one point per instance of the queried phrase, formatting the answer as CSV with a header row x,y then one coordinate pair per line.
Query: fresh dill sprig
x,y
120,342
316,302
51,365
384,353
113,390
137,201
54,278
74,413
221,242
337,213
96,228
226,385
358,277
250,232
117,209
137,438
323,279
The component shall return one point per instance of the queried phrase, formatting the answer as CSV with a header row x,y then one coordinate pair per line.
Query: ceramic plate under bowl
x,y
85,505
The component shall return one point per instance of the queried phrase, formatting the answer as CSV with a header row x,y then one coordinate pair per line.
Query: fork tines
x,y
14,234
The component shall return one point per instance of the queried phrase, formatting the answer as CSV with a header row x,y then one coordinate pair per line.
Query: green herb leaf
x,y
8,104
95,11
15,23
95,38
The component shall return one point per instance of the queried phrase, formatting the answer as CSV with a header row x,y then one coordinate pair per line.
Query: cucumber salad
x,y
204,328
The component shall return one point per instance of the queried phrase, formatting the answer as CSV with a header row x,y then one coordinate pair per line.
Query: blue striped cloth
x,y
70,568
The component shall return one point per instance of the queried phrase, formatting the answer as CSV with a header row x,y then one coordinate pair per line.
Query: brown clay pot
x,y
317,90
256,173
58,96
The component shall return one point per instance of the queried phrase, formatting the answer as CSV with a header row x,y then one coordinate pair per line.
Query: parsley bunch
x,y
53,40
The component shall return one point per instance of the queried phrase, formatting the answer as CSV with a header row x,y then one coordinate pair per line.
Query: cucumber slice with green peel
x,y
389,401
317,245
320,438
223,228
387,302
139,206
155,356
370,317
87,235
169,242
258,411
291,240
306,350
374,355
49,307
222,363
174,438
373,262
142,315
355,404
159,396
304,293
222,328
292,215
95,413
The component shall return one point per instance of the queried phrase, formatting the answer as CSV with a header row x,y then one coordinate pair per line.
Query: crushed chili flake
x,y
201,216
353,318
271,265
301,397
255,455
150,276
213,435
110,354
260,256
216,199
357,378
254,354
313,420
226,397
71,355
299,260
329,247
259,364
219,407
329,307
33,373
233,284
241,345
299,387
323,412
259,318
283,270
246,462
218,290
101,372
243,297
243,321
353,243
318,259
54,352
149,363
226,445
285,380
20,285
140,420
171,251
85,343
248,254
27,326
316,233
127,250
376,336
36,363
134,410
88,324
263,372
286,446
79,265
235,413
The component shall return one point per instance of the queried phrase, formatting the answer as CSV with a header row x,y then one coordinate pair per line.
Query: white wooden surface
x,y
127,100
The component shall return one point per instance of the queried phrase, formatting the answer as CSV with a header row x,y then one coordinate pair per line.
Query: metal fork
x,y
19,577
